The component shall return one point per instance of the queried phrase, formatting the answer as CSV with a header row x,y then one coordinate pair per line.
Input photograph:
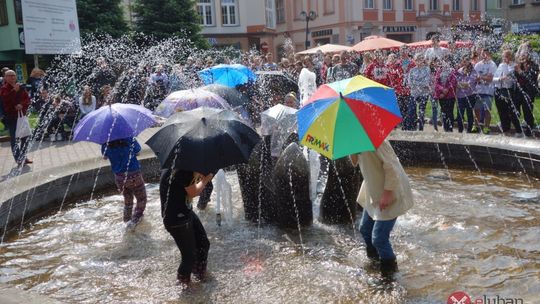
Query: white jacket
x,y
383,171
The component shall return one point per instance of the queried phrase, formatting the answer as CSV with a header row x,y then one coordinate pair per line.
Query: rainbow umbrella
x,y
348,116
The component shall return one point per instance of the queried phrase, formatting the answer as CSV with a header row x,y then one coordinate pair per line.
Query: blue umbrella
x,y
229,75
112,122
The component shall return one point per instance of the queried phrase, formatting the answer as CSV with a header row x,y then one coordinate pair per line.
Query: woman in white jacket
x,y
385,194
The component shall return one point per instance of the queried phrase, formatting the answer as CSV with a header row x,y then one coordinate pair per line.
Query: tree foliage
x,y
169,18
514,40
101,17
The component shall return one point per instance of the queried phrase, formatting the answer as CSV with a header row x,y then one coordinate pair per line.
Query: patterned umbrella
x,y
348,116
186,100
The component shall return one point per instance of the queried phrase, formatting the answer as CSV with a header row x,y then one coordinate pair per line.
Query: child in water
x,y
122,153
177,188
385,194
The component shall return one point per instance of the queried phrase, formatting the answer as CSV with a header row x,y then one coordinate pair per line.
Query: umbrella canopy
x,y
233,97
270,83
373,43
443,43
327,48
112,122
203,140
348,116
229,75
186,100
270,117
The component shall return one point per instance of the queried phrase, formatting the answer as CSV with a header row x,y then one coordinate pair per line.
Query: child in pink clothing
x,y
445,92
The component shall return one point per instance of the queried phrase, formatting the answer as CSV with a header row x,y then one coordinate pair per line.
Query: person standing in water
x,y
122,153
177,188
385,194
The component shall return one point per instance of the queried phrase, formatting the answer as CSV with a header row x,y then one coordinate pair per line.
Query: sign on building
x,y
51,27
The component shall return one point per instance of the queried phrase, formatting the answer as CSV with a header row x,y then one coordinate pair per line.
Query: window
x,y
369,3
280,11
517,2
499,4
456,5
298,8
408,5
228,12
18,11
329,6
270,13
433,5
387,5
474,5
205,9
3,13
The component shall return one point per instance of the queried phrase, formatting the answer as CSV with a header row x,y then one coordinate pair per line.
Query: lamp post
x,y
309,17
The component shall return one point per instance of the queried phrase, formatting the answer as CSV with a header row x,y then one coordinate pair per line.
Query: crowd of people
x,y
462,81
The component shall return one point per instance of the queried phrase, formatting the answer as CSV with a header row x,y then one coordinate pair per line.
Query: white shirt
x,y
484,68
507,70
307,85
438,53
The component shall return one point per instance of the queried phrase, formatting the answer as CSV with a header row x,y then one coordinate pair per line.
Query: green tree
x,y
101,17
169,18
514,40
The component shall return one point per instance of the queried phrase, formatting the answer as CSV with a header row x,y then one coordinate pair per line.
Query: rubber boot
x,y
183,280
389,267
372,253
199,271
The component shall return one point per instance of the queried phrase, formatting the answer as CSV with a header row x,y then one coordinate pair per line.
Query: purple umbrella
x,y
112,122
186,100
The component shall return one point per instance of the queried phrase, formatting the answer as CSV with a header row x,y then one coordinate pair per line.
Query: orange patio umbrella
x,y
373,43
327,48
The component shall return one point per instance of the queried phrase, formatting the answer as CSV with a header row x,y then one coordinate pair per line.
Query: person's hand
x,y
17,87
18,107
386,199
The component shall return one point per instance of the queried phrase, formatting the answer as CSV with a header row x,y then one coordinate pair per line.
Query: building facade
x,y
523,14
11,31
271,25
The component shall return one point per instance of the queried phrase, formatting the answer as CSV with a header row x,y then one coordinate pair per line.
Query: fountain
x,y
62,234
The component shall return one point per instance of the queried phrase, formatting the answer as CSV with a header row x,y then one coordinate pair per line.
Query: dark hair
x,y
119,143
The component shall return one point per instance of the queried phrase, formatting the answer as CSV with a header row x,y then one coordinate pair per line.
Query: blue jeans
x,y
421,101
465,107
377,234
435,112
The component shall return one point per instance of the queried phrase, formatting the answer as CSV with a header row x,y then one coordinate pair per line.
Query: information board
x,y
51,27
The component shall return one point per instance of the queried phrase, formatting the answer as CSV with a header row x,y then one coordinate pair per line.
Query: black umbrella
x,y
271,83
203,140
231,95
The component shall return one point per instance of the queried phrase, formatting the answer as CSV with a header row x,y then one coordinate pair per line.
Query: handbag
x,y
23,126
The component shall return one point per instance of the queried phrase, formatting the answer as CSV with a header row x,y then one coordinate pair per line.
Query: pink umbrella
x,y
327,48
373,43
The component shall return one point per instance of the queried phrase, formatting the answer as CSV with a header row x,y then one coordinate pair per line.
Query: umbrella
x,y
327,48
272,115
229,75
348,116
373,43
112,122
231,95
203,140
186,100
442,43
270,83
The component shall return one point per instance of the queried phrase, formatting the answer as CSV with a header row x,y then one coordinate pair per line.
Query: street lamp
x,y
309,17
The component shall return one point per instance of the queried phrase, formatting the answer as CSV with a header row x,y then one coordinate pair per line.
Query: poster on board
x,y
51,27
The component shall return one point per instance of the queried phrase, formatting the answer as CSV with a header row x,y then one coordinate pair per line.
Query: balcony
x,y
438,14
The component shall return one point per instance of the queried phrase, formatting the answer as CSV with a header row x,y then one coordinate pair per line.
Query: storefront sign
x,y
321,33
399,29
